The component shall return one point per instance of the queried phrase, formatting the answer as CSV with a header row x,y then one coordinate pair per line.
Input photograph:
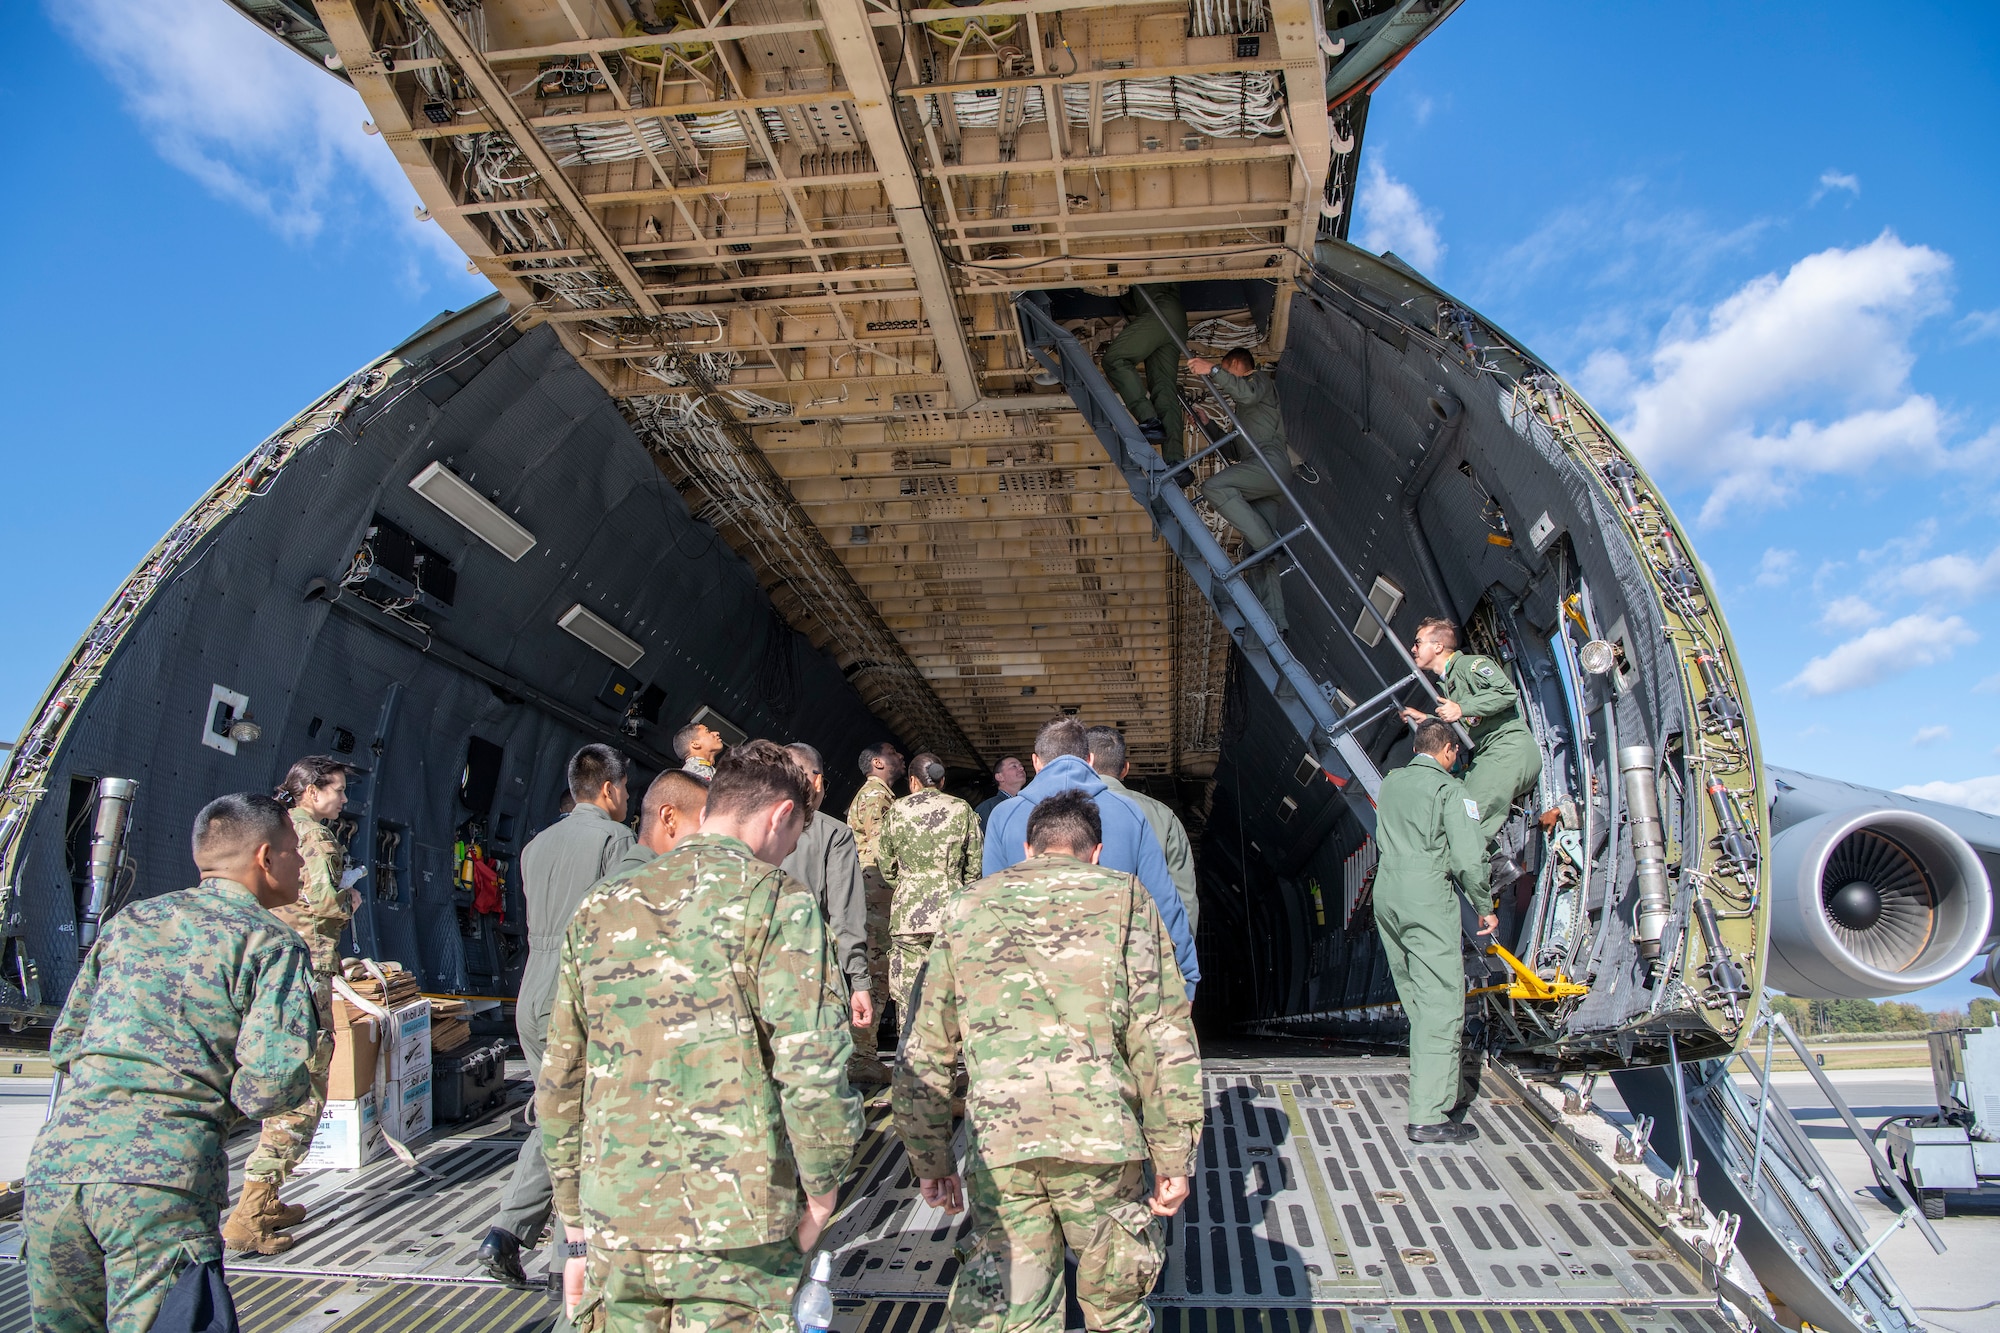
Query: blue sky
x,y
1759,238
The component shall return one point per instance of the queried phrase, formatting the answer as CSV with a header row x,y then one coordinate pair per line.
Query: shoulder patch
x,y
1472,809
1484,669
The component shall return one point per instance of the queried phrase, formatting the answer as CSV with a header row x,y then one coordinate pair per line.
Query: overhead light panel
x,y
477,514
594,630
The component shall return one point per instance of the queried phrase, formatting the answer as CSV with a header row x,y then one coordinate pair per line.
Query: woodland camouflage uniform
x,y
866,814
319,916
670,1140
1056,981
193,1009
931,847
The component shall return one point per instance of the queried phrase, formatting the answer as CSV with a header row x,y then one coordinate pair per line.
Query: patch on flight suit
x,y
1484,669
1472,809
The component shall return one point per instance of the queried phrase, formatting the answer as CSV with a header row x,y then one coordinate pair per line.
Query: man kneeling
x,y
1057,981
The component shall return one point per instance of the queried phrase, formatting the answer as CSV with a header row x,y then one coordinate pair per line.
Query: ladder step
x,y
1236,570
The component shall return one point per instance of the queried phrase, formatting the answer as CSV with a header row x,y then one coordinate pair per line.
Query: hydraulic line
x,y
107,855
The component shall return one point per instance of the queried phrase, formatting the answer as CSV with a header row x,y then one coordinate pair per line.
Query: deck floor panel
x,y
1309,1213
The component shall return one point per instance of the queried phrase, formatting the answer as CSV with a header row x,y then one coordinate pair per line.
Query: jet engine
x,y
1871,902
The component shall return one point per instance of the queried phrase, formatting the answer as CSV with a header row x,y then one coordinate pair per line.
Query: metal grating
x,y
1309,1214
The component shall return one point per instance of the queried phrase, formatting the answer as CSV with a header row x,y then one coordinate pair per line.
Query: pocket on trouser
x,y
1122,1261
590,1313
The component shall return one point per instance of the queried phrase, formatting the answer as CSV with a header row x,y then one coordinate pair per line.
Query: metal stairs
x,y
1310,704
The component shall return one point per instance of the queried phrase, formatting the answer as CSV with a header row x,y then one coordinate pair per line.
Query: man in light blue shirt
x,y
1062,763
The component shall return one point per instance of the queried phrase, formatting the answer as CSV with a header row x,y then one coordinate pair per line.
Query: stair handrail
x,y
1279,477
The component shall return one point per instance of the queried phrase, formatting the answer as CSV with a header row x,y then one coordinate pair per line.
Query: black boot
x,y
500,1257
1443,1133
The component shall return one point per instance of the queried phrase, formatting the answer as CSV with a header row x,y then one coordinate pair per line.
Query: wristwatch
x,y
576,1249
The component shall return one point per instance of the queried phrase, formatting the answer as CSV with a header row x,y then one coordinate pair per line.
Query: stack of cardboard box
x,y
380,1079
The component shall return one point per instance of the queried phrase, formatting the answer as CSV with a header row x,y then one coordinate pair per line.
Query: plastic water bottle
x,y
812,1308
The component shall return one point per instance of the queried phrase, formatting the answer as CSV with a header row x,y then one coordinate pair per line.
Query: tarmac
x,y
1957,1291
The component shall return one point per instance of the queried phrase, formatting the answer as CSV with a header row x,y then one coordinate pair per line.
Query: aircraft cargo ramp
x,y
1309,1213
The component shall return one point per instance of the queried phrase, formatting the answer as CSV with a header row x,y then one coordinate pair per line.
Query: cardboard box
x,y
410,1038
407,1108
352,1074
348,1138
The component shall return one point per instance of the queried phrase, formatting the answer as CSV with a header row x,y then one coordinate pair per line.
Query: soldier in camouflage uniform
x,y
930,848
882,765
316,791
1057,981
693,1088
194,1008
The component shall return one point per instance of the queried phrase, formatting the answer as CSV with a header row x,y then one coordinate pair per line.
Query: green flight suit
x,y
1149,341
1427,832
1505,759
1245,493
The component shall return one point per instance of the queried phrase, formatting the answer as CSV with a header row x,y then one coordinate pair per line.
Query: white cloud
x,y
1989,685
1796,376
1888,650
245,116
1775,570
1956,578
1981,794
1848,613
1389,216
1979,324
1829,181
1930,735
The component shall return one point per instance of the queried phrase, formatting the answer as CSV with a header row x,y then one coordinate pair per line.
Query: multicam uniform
x,y
194,1008
866,814
670,1140
319,916
1056,979
931,847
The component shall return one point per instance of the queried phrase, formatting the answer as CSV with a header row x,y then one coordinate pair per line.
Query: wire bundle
x,y
1226,18
1222,106
619,141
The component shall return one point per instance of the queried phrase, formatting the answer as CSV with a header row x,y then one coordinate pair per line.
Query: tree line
x,y
1818,1017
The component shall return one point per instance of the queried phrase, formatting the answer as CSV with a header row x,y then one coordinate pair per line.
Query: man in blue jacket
x,y
1062,763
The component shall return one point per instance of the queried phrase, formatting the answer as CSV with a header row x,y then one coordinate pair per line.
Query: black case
x,y
466,1081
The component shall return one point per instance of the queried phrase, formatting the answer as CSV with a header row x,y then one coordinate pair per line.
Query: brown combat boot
x,y
254,1225
284,1216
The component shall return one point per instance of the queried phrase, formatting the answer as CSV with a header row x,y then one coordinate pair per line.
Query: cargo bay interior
x,y
787,411
758,270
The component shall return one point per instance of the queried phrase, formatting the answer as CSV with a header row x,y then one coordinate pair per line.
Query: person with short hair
x,y
193,1008
882,766
669,811
693,1105
315,791
826,862
1505,761
931,848
696,745
1246,493
1062,763
1108,758
1055,981
1009,775
558,867
1432,858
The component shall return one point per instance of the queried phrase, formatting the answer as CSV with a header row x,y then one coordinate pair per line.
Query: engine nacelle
x,y
1872,902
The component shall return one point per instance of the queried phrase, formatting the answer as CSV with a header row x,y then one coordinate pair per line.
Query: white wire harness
x,y
1248,105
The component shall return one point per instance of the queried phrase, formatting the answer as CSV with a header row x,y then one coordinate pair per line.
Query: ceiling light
x,y
598,633
479,515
